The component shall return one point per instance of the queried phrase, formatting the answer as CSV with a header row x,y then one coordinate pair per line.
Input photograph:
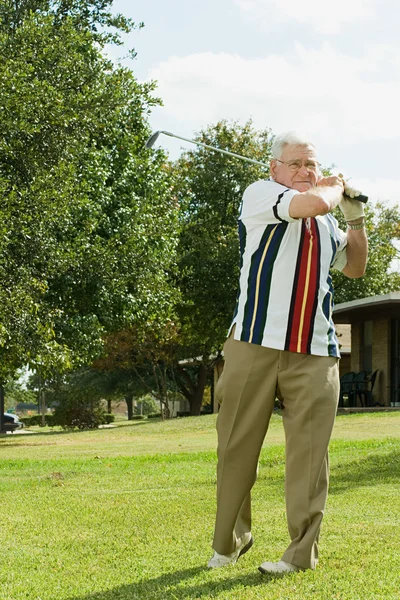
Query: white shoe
x,y
278,567
222,560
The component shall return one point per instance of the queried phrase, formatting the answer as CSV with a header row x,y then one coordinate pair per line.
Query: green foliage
x,y
209,188
87,226
146,405
15,393
143,359
75,413
37,420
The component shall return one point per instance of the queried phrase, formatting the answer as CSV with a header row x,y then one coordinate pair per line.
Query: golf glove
x,y
351,208
349,205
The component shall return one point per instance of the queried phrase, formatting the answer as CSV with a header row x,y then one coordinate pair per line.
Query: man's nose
x,y
303,170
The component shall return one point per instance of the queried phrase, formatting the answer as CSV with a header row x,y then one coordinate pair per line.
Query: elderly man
x,y
282,344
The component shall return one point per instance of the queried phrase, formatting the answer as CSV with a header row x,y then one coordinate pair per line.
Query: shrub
x,y
37,420
146,405
154,416
76,414
50,421
109,418
137,417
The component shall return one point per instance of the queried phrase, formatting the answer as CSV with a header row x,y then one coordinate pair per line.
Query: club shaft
x,y
152,139
256,162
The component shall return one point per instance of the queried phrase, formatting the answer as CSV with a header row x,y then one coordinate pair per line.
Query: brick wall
x,y
381,359
356,350
380,355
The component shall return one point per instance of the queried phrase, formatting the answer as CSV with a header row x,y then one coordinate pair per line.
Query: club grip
x,y
360,198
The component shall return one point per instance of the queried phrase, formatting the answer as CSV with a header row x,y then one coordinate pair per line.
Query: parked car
x,y
12,422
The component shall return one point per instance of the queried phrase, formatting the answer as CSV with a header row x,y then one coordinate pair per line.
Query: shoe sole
x,y
266,572
246,548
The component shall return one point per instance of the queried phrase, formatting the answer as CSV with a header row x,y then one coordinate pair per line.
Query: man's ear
x,y
272,168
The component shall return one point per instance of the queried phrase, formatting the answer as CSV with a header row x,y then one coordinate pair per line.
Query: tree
x,y
209,187
87,224
143,359
16,393
383,227
87,227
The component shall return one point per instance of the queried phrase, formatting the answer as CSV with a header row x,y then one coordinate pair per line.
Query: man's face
x,y
298,169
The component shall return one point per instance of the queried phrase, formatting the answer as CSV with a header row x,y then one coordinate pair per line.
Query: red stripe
x,y
312,290
300,290
301,281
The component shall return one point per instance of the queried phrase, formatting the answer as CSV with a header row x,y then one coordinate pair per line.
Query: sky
x,y
328,69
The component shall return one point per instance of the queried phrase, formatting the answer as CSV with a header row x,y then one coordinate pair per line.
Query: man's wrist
x,y
356,224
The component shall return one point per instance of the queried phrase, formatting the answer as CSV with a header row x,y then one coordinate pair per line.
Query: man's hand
x,y
350,191
331,181
351,209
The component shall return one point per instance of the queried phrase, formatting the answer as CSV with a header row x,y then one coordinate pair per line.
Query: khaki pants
x,y
308,386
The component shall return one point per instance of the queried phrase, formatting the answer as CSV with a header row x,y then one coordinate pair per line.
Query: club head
x,y
152,139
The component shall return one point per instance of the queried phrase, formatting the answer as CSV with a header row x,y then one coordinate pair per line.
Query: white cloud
x,y
334,97
325,17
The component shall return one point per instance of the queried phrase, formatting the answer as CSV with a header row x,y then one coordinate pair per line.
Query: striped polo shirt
x,y
285,298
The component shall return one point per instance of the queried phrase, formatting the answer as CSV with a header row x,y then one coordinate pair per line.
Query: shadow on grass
x,y
367,470
75,432
176,586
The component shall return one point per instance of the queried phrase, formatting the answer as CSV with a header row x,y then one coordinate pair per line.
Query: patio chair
x,y
347,390
364,385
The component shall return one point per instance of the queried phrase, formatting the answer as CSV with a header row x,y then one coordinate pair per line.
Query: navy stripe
x,y
265,283
275,207
326,309
242,245
242,240
335,241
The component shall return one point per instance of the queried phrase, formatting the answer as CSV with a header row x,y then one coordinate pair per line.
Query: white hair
x,y
289,138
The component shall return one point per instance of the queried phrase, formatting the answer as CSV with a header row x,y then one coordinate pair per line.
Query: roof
x,y
367,308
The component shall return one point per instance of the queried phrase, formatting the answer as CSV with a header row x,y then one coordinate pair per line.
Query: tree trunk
x,y
196,399
109,409
129,404
2,430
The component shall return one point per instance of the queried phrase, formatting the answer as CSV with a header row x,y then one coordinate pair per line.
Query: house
x,y
369,336
343,332
375,342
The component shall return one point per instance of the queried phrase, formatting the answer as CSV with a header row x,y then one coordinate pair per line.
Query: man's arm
x,y
357,252
357,243
319,200
324,198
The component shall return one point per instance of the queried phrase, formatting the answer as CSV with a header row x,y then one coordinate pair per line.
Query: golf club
x,y
153,138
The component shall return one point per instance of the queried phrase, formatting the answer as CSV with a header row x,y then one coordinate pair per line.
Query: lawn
x,y
127,513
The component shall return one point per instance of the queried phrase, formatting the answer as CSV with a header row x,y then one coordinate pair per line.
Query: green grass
x,y
127,513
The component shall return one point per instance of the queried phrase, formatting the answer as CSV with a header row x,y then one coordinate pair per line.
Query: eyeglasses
x,y
295,165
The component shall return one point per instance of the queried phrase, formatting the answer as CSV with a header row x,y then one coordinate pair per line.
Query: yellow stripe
x,y
303,308
258,282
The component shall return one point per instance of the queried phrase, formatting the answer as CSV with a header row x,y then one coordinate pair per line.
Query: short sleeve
x,y
266,202
340,260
